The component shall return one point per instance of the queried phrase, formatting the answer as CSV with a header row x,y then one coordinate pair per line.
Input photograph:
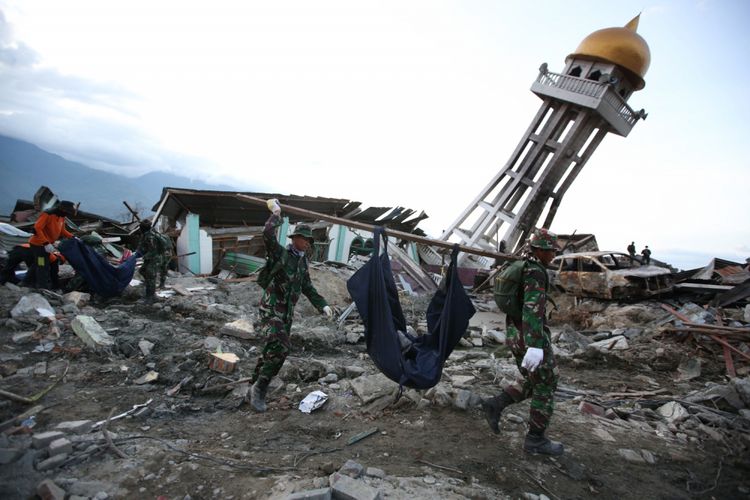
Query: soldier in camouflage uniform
x,y
279,298
531,346
151,249
168,248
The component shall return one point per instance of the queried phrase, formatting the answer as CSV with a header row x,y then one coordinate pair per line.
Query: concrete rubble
x,y
140,413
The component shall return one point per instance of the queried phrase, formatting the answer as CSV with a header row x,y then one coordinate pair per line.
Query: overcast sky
x,y
411,103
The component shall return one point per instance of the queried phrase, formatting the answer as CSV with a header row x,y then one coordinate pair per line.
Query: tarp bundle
x,y
101,277
374,291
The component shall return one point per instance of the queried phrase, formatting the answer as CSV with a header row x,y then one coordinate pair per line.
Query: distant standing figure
x,y
631,251
152,250
646,253
168,248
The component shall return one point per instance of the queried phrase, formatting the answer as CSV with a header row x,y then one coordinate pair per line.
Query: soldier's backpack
x,y
165,243
508,290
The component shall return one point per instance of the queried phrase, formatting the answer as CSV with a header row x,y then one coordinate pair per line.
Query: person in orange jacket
x,y
22,253
48,229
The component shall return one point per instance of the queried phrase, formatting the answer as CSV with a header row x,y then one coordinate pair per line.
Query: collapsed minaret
x,y
580,106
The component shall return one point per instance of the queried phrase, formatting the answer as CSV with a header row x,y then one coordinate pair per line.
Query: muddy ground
x,y
429,444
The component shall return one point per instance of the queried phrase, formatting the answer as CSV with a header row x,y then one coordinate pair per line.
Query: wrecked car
x,y
608,275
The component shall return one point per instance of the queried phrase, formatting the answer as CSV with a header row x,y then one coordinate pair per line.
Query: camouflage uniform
x,y
277,304
540,384
153,255
168,249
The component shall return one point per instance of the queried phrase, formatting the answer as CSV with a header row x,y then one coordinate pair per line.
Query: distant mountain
x,y
24,167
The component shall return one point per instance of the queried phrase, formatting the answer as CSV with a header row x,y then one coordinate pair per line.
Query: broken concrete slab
x,y
631,456
463,380
145,346
372,387
347,488
318,494
603,435
78,299
60,446
43,439
242,328
618,343
90,332
496,336
33,305
75,426
439,395
149,377
463,399
375,472
48,490
353,371
673,412
52,463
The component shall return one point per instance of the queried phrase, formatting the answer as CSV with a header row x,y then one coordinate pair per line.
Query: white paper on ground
x,y
313,401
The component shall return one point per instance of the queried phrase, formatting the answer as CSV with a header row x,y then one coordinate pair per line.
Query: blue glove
x,y
137,254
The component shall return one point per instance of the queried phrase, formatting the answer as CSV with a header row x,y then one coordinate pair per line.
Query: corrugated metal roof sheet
x,y
224,209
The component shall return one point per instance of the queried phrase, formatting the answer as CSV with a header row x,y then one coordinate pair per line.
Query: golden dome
x,y
621,46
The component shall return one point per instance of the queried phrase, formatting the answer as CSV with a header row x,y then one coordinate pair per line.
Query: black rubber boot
x,y
493,408
258,395
541,445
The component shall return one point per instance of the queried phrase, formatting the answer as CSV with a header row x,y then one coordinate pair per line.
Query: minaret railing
x,y
597,90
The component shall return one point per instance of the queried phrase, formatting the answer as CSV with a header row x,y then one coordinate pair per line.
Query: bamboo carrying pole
x,y
389,232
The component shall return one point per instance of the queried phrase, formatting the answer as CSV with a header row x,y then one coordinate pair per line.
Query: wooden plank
x,y
389,232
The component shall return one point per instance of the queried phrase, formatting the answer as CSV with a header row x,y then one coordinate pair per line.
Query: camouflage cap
x,y
304,231
543,239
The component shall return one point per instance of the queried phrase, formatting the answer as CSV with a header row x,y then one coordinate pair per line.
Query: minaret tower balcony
x,y
599,96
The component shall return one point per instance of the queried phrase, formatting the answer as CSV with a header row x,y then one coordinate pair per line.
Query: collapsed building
x,y
110,398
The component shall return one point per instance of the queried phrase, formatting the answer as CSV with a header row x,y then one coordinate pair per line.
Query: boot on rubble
x,y
538,443
493,408
258,395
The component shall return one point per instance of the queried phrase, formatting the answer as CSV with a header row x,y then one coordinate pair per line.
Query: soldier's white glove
x,y
49,248
328,311
273,206
533,358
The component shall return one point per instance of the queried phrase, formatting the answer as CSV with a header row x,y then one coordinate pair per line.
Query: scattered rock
x,y
352,469
631,456
145,346
149,377
242,328
60,446
52,462
43,439
32,305
375,472
75,426
346,487
319,494
603,435
48,490
92,334
673,412
77,299
618,343
372,387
